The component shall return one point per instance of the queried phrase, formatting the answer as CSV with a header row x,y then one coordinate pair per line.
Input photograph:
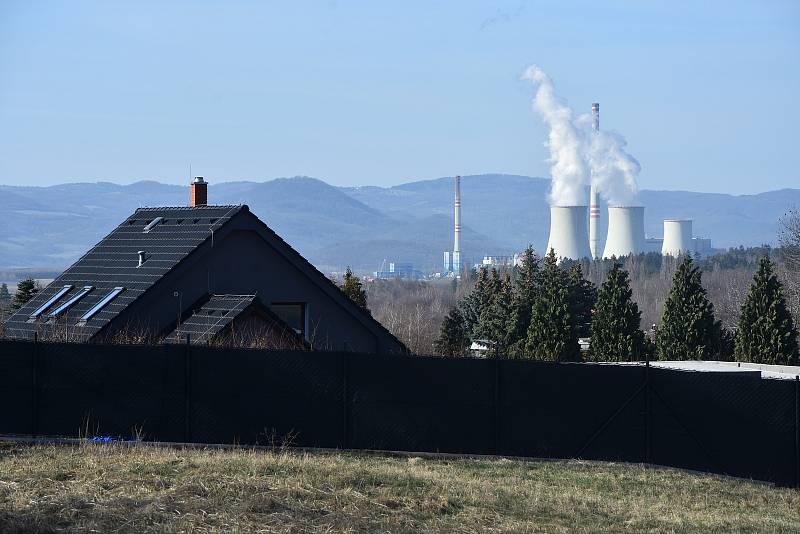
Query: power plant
x,y
569,237
574,236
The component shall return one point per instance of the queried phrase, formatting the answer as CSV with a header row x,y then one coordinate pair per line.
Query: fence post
x,y
345,401
187,389
496,405
647,409
797,431
35,388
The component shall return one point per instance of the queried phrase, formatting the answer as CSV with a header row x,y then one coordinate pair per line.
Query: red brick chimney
x,y
199,193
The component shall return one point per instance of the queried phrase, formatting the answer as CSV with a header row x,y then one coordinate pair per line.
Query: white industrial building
x,y
572,236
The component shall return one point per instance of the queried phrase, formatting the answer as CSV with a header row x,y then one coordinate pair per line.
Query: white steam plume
x,y
614,171
578,155
565,141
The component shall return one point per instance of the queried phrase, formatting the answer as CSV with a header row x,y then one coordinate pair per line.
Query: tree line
x,y
541,309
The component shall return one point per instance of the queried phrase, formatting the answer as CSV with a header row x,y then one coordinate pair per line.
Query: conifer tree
x,y
495,319
351,286
615,328
5,296
583,296
526,285
551,333
26,290
453,338
688,329
476,301
766,332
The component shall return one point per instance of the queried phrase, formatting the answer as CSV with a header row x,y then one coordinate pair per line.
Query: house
x,y
209,272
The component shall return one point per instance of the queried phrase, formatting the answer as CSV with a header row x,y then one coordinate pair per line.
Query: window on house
x,y
291,313
68,304
99,306
41,309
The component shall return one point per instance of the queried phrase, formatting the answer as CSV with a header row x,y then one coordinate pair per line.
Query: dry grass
x,y
144,489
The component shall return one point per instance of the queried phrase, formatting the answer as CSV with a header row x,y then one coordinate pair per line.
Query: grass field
x,y
108,488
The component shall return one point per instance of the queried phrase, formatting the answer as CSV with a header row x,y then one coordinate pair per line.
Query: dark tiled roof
x,y
211,318
113,262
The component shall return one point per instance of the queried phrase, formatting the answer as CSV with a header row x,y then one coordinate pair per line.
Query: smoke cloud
x,y
578,155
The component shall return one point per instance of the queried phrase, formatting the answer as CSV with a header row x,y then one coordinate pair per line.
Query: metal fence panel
x,y
725,423
568,410
265,397
104,390
17,360
421,404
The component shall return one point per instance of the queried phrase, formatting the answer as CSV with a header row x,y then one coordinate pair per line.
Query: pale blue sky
x,y
378,93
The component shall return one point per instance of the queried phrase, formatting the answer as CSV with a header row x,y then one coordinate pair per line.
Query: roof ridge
x,y
188,208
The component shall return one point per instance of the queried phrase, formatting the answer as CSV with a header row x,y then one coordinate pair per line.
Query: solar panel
x,y
75,298
41,309
97,307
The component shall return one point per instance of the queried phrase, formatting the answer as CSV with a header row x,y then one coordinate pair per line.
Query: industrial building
x,y
202,271
498,261
570,238
400,271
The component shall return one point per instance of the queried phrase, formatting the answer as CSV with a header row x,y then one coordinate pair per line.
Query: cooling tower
x,y
625,231
677,237
569,235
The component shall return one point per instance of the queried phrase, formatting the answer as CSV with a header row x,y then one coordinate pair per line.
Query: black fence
x,y
731,423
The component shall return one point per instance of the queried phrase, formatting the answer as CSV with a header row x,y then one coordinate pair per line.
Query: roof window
x,y
68,304
152,224
41,309
100,305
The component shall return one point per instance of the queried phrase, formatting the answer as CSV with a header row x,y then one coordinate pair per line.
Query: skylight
x,y
152,224
68,304
99,306
41,309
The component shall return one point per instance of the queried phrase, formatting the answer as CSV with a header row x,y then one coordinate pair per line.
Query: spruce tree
x,y
5,296
495,319
688,330
583,296
615,329
26,290
551,333
453,339
526,285
766,332
476,301
351,286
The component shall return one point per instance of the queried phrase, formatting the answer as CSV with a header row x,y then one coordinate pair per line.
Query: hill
x,y
361,226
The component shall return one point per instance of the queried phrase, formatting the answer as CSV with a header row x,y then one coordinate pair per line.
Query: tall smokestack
x,y
594,208
457,229
568,236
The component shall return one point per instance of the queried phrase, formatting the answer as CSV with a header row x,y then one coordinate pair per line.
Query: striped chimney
x,y
457,228
594,208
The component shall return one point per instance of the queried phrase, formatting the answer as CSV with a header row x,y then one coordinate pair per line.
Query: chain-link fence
x,y
732,423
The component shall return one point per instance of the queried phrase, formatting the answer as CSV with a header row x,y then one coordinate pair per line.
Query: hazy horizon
x,y
212,181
